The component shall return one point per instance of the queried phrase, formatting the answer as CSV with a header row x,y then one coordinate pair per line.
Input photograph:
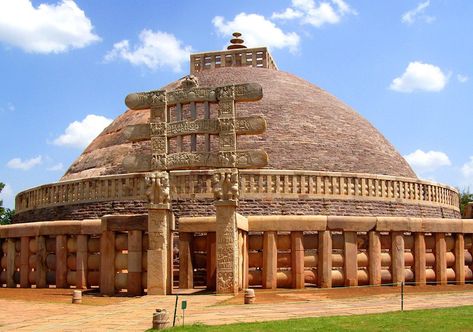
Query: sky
x,y
66,67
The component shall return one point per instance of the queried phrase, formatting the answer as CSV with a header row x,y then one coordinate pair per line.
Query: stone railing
x,y
244,57
254,184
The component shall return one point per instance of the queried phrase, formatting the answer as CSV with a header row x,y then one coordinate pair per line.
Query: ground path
x,y
49,310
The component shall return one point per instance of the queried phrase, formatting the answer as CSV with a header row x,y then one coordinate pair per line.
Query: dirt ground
x,y
92,297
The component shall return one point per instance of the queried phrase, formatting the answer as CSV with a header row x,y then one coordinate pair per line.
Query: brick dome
x,y
307,129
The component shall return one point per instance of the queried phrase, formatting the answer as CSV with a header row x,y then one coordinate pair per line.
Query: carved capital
x,y
157,189
225,184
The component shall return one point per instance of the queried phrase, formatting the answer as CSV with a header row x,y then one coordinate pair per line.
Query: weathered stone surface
x,y
346,143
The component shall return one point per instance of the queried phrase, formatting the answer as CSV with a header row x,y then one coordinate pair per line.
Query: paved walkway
x,y
135,314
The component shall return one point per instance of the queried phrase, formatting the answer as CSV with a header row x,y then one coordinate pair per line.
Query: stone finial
x,y
225,184
189,82
236,42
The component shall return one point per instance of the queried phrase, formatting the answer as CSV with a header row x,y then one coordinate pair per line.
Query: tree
x,y
465,197
6,215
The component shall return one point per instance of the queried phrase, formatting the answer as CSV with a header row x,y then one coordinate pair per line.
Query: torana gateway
x,y
238,175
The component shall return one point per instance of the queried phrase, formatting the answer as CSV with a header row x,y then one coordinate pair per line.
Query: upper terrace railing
x,y
243,57
254,184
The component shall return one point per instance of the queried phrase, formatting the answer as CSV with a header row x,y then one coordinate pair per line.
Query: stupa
x,y
260,178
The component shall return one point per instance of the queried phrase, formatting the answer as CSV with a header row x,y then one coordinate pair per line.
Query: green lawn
x,y
450,319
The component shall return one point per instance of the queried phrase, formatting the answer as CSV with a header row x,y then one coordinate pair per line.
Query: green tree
x,y
6,215
465,197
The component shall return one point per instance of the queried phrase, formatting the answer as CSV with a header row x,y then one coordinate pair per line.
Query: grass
x,y
449,319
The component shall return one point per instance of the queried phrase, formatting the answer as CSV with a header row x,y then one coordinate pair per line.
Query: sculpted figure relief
x,y
225,184
157,187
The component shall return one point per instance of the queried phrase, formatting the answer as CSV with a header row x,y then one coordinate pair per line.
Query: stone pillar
x,y
270,260
324,267
107,263
440,259
211,263
11,253
350,259
61,261
397,257
81,261
41,262
226,191
135,259
460,259
24,262
374,258
246,264
159,233
186,269
297,257
419,259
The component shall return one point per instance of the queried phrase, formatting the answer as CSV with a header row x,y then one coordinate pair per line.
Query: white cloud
x,y
316,14
80,133
462,78
17,163
420,76
8,108
6,195
48,28
257,31
154,50
56,167
467,168
427,161
418,13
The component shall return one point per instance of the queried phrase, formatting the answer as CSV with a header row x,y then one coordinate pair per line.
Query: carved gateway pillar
x,y
159,233
225,188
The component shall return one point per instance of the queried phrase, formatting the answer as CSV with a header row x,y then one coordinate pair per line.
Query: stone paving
x,y
135,314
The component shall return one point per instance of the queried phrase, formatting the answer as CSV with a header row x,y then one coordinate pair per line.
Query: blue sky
x,y
66,66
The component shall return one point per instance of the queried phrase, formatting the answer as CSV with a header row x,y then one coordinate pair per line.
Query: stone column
x,y
324,266
350,259
24,262
374,258
186,269
211,262
270,260
159,233
297,257
419,259
440,259
41,268
226,191
61,261
107,263
397,257
81,261
460,259
135,268
11,253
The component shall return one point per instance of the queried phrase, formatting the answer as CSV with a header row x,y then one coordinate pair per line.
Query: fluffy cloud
x,y
56,167
467,168
462,78
154,50
9,107
18,163
417,13
257,31
316,14
48,28
420,76
427,161
80,133
6,195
